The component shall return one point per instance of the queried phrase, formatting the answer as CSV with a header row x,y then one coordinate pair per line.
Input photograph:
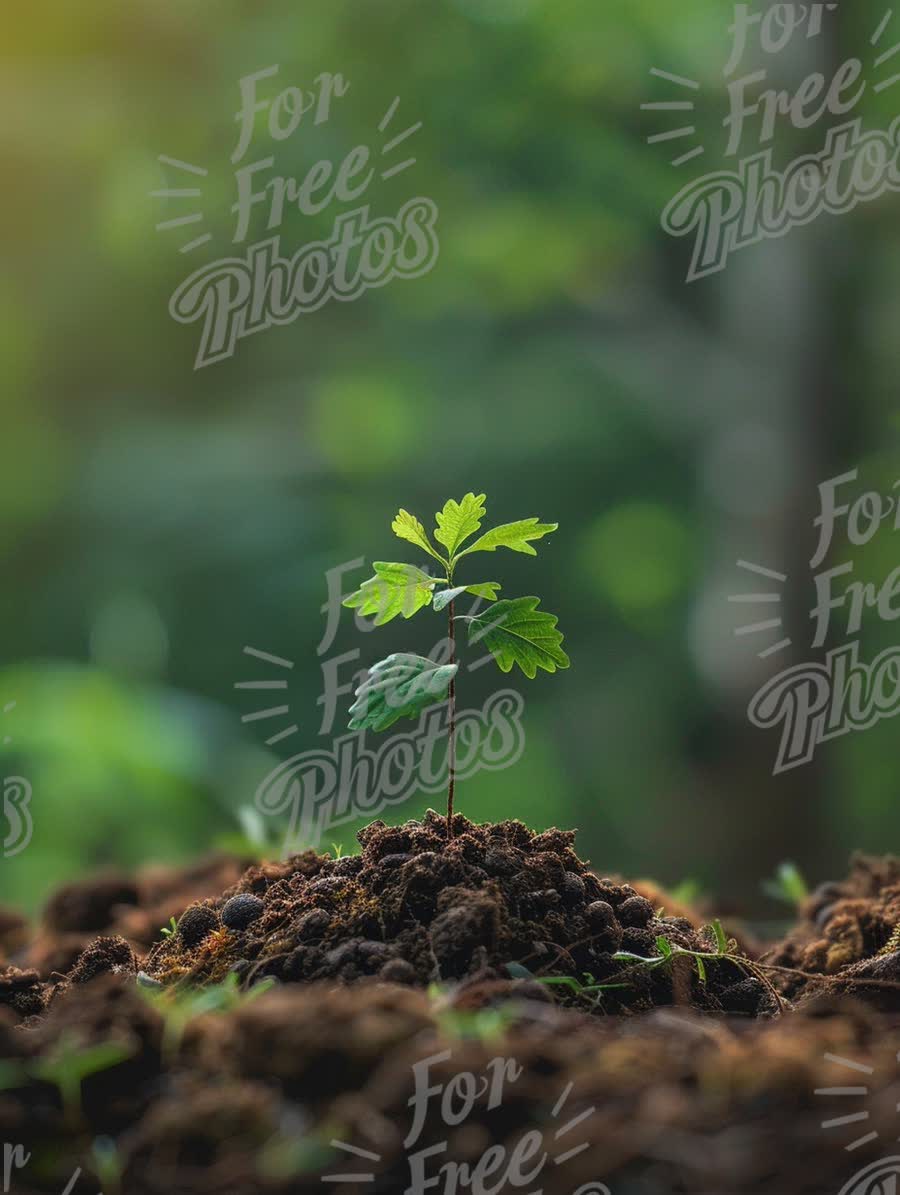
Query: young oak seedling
x,y
514,630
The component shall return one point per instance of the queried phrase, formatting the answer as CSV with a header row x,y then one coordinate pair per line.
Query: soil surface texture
x,y
495,902
451,1009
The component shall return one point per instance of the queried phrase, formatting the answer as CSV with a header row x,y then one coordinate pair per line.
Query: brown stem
x,y
451,741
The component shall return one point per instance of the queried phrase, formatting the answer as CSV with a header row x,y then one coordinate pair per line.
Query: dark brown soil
x,y
843,941
113,903
675,1102
417,908
402,954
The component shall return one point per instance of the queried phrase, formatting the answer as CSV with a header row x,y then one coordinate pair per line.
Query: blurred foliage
x,y
155,519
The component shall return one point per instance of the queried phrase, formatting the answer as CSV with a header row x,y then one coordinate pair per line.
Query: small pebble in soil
x,y
398,970
313,924
390,862
242,910
104,954
600,913
636,911
197,922
572,888
607,932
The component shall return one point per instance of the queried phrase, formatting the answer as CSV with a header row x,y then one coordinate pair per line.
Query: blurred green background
x,y
155,519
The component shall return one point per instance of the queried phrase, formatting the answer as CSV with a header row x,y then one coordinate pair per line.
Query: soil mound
x,y
150,1085
114,903
495,901
848,936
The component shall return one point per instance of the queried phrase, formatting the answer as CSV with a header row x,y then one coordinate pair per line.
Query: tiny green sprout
x,y
787,885
69,1064
12,1075
179,1005
171,929
107,1164
513,630
589,990
337,849
725,951
479,1024
482,1024
687,892
290,1154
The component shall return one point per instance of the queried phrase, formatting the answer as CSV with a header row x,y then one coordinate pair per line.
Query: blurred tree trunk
x,y
785,301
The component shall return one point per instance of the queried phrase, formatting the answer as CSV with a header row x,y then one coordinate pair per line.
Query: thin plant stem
x,y
451,741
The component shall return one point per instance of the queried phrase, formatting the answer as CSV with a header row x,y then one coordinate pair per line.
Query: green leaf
x,y
788,885
399,687
701,968
485,589
407,526
71,1063
446,596
626,956
458,520
511,535
516,632
12,1075
562,981
395,589
719,934
664,946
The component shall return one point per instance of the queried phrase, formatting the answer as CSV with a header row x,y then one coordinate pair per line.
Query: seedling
x,y
70,1063
468,1024
12,1075
586,988
688,892
290,1154
788,885
107,1164
726,951
514,630
178,1006
171,929
479,1024
668,952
